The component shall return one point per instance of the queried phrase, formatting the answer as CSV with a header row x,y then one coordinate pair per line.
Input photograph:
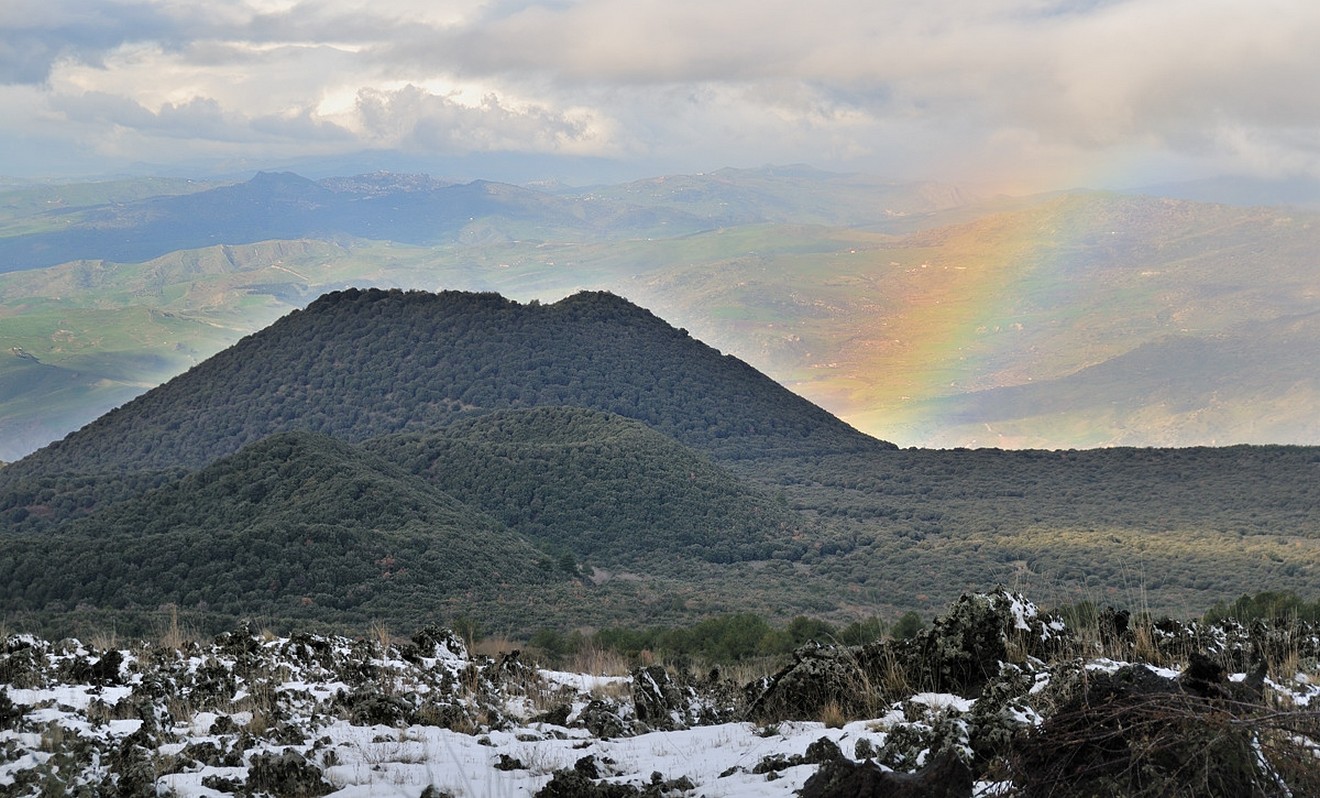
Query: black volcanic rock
x,y
945,776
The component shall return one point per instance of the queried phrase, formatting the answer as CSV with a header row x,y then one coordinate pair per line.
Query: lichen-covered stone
x,y
286,775
945,776
660,702
959,654
603,720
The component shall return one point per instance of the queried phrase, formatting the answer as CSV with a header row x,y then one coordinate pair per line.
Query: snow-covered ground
x,y
70,733
314,715
380,760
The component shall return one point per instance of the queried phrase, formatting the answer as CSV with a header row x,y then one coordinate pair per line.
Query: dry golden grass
x,y
614,691
379,632
1144,648
1016,645
894,679
495,646
597,661
102,640
174,636
832,715
52,737
749,670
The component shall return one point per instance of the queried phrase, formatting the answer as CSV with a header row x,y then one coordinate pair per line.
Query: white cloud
x,y
416,120
999,85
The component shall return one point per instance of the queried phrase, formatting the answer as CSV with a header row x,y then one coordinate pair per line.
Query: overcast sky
x,y
1027,94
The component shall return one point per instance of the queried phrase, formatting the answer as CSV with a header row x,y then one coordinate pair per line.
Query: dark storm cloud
x,y
34,34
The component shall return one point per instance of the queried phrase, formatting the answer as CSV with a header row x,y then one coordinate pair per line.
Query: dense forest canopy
x,y
390,454
357,364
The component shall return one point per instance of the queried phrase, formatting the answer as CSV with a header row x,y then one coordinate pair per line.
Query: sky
x,y
1020,94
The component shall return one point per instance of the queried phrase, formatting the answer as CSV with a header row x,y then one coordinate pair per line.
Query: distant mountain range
x,y
1295,192
416,209
923,313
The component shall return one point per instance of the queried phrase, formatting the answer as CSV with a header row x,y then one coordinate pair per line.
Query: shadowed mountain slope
x,y
292,526
600,486
273,206
358,364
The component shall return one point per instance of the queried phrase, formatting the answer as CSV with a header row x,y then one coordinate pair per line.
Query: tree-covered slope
x,y
599,487
358,364
298,525
1174,528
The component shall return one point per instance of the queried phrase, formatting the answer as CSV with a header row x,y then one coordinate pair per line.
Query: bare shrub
x,y
1133,733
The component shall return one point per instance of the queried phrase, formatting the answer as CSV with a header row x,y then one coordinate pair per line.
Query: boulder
x,y
819,752
960,654
603,720
819,675
1135,732
286,775
660,703
573,784
945,776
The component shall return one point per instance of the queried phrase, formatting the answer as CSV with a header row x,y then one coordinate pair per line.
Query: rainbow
x,y
977,306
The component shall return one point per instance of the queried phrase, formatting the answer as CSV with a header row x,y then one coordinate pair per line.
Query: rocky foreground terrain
x,y
993,699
